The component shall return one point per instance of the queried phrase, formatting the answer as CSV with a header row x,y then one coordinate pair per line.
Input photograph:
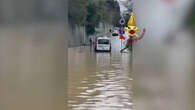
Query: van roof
x,y
105,37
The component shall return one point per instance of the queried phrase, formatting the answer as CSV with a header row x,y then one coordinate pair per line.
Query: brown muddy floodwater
x,y
163,66
99,81
162,76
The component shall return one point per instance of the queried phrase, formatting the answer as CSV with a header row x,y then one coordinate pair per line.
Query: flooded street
x,y
42,69
104,81
158,76
99,81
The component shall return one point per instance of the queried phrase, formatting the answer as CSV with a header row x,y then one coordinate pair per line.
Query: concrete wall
x,y
77,36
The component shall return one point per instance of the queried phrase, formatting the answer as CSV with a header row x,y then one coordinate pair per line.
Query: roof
x,y
105,37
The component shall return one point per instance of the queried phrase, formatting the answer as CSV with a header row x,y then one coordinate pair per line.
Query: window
x,y
103,41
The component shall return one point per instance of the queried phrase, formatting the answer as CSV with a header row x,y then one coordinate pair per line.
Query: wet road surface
x,y
99,81
104,81
163,66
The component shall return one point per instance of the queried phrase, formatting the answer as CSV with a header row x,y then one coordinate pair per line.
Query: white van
x,y
103,44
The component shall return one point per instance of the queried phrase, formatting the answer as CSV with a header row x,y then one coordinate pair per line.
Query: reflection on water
x,y
162,76
99,81
163,66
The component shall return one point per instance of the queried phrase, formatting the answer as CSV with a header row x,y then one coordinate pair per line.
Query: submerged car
x,y
103,44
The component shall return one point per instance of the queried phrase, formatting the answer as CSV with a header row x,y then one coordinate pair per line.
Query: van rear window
x,y
103,41
114,34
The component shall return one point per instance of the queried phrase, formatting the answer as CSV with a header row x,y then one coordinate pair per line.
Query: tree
x,y
90,13
77,11
93,18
